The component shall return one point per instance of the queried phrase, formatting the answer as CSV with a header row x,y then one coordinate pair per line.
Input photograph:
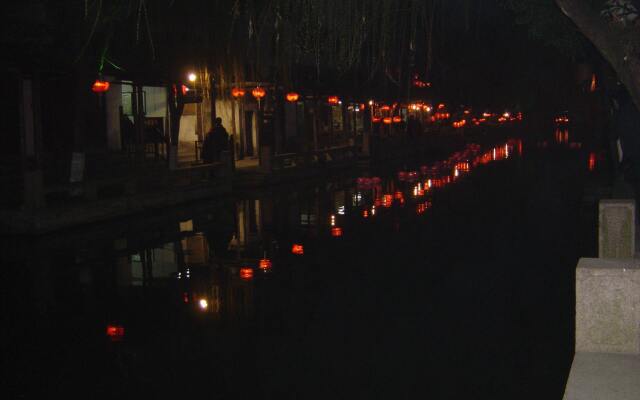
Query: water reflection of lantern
x,y
421,208
336,231
237,92
115,333
203,304
246,273
365,214
592,161
100,86
292,97
387,200
258,93
265,264
376,120
297,249
333,100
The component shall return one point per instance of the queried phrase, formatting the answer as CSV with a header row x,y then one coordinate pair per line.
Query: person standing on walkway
x,y
220,139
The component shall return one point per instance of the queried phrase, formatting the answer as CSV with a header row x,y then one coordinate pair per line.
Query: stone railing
x,y
606,364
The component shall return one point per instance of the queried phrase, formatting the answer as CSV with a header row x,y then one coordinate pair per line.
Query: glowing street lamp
x,y
192,77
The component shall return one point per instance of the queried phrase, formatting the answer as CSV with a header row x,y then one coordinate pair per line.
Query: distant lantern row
x,y
292,97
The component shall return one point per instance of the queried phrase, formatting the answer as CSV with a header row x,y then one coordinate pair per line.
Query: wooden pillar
x,y
31,143
138,119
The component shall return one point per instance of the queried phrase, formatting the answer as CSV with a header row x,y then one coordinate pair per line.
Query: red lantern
x,y
292,97
265,264
397,119
387,120
259,93
115,333
297,249
237,92
375,120
100,86
333,100
336,231
246,273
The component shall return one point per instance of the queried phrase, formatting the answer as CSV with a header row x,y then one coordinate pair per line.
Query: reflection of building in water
x,y
139,269
239,297
195,250
249,222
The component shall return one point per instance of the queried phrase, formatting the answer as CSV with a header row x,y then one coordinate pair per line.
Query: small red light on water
x,y
592,161
297,249
246,273
336,231
387,200
265,264
185,297
115,332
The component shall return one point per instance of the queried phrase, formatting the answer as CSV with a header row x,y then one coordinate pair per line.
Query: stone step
x,y
600,376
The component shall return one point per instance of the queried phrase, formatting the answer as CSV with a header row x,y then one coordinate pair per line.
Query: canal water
x,y
448,277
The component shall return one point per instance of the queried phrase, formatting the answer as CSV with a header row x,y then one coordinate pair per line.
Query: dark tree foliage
x,y
609,26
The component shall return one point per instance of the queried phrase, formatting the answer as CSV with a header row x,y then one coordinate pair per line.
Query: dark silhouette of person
x,y
220,139
127,131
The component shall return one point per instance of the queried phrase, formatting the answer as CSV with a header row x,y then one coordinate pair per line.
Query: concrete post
x,y
616,228
608,306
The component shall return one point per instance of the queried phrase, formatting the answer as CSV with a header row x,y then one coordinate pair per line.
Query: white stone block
x,y
608,306
616,228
